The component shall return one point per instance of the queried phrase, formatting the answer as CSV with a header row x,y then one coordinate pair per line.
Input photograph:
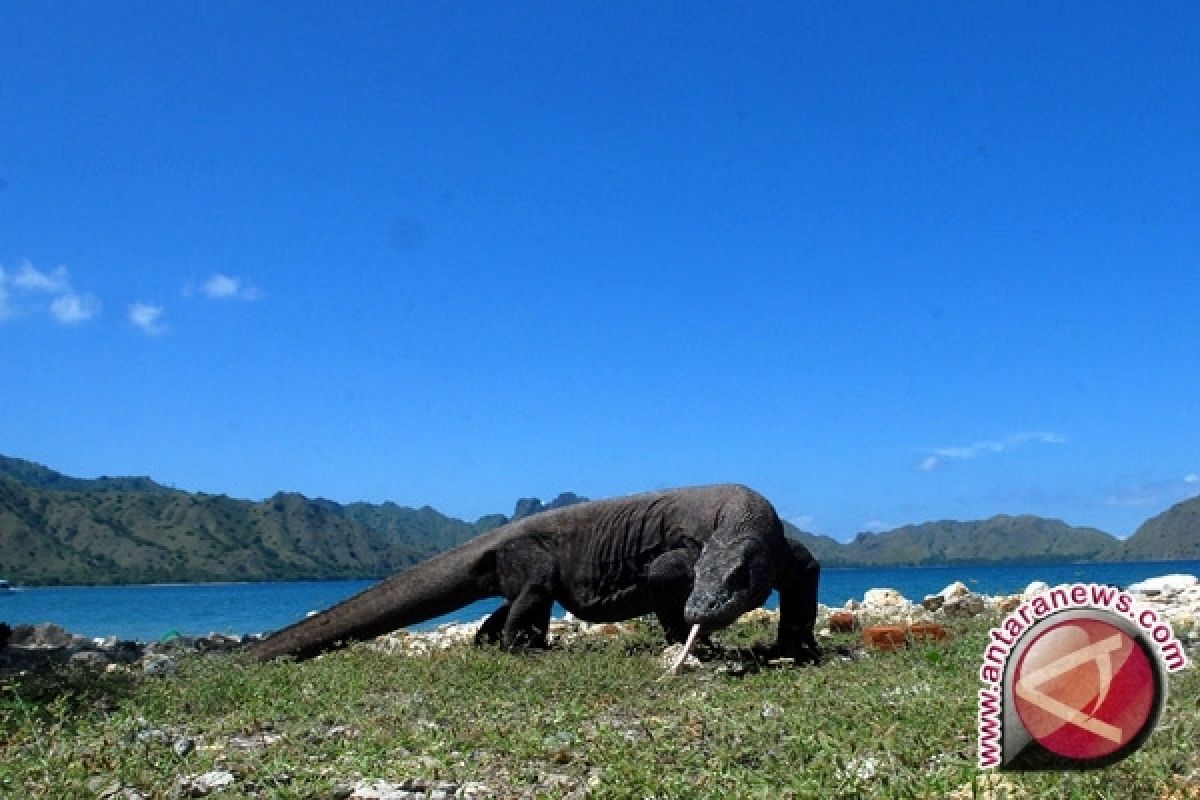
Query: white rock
x,y
157,664
1034,589
364,790
201,785
1164,583
864,768
884,598
671,654
956,589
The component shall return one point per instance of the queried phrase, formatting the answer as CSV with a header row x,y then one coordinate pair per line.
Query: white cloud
x,y
221,286
1153,492
939,456
32,279
1134,496
224,287
148,318
72,308
24,290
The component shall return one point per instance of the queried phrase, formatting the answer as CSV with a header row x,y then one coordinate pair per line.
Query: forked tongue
x,y
677,667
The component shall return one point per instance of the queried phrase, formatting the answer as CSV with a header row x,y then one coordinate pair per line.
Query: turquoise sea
x,y
150,612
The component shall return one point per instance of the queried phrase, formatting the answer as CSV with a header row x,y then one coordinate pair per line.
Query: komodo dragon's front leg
x,y
670,578
797,581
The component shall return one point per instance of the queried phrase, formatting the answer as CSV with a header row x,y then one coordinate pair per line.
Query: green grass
x,y
596,717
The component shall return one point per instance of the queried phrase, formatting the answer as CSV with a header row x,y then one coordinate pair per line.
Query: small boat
x,y
5,586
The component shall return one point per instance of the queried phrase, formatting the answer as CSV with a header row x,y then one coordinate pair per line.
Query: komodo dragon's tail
x,y
438,586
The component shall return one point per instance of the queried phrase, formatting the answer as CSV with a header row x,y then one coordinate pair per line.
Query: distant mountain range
x,y
56,529
999,539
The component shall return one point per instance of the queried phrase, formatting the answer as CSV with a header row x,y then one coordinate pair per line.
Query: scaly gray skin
x,y
701,555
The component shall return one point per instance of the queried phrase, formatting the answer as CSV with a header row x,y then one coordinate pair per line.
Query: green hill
x,y
996,540
826,549
131,536
55,529
37,476
1175,533
423,530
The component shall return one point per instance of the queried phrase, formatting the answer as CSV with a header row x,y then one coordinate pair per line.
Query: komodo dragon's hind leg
x,y
527,579
528,620
492,629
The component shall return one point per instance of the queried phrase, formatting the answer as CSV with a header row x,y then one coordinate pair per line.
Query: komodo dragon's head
x,y
733,576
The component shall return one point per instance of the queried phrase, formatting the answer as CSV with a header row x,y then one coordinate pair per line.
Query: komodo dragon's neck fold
x,y
439,586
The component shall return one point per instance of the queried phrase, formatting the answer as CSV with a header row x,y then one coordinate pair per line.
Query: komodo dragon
x,y
694,556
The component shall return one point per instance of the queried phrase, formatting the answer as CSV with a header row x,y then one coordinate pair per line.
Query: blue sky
x,y
887,263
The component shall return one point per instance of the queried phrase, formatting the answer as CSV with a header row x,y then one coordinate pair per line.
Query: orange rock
x,y
1006,605
842,622
885,637
927,632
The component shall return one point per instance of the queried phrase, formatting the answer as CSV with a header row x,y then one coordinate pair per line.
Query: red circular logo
x,y
1085,688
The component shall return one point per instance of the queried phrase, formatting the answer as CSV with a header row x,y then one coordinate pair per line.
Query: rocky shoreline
x,y
34,647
